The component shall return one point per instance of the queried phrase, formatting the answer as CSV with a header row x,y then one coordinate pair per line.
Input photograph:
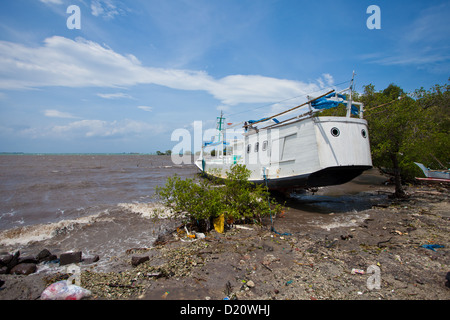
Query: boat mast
x,y
220,134
349,100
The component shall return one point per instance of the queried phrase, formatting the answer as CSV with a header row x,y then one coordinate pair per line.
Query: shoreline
x,y
253,263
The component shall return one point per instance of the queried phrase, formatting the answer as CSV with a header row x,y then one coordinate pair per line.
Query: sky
x,y
121,76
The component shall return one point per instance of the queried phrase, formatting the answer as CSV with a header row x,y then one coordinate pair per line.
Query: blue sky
x,y
139,69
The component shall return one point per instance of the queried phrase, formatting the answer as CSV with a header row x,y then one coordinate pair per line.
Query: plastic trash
x,y
357,271
61,290
219,223
200,235
432,246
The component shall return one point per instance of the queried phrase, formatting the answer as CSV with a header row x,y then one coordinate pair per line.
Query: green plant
x,y
205,199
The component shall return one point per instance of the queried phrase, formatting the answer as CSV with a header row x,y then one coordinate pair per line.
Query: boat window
x,y
256,147
364,133
249,148
335,132
264,146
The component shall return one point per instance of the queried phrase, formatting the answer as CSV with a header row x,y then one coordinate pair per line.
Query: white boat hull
x,y
312,152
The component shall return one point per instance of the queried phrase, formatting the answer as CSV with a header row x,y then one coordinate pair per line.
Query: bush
x,y
199,200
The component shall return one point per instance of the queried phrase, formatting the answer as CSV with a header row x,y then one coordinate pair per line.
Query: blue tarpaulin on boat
x,y
262,120
213,144
325,103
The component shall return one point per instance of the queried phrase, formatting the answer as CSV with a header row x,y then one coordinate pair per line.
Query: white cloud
x,y
104,8
82,63
118,95
51,1
105,129
58,114
145,108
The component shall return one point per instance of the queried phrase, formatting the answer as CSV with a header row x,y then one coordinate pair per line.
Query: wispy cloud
x,y
51,1
52,113
105,8
424,43
106,129
146,108
119,95
81,63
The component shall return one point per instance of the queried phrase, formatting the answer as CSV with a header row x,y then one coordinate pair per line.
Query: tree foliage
x,y
408,128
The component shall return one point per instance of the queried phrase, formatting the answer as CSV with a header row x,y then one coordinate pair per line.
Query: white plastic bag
x,y
61,290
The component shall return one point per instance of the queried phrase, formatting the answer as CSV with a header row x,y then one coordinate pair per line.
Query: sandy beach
x,y
299,262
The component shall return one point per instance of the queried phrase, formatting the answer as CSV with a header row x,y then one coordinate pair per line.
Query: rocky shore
x,y
404,245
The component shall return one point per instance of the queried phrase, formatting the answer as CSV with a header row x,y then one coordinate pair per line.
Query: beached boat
x,y
303,151
434,175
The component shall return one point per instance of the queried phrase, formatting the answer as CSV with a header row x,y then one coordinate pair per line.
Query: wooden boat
x,y
303,151
434,175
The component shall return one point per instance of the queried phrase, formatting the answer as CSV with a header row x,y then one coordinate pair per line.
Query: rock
x,y
69,258
28,259
163,239
45,256
14,261
90,260
136,260
5,259
24,269
250,284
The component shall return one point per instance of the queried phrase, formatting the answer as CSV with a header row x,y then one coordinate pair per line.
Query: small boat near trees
x,y
434,175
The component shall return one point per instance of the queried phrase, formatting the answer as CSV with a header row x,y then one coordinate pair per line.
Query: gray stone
x,y
24,269
90,260
135,260
69,258
5,259
45,255
14,261
28,259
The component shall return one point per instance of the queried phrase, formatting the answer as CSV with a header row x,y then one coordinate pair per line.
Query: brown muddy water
x,y
103,204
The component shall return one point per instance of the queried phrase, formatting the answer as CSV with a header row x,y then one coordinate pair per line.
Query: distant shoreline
x,y
73,154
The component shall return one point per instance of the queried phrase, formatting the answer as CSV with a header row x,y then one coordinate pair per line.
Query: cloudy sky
x,y
136,70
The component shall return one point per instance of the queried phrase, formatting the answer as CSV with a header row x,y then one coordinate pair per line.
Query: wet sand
x,y
331,233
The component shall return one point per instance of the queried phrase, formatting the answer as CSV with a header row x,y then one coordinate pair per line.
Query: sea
x,y
104,204
100,204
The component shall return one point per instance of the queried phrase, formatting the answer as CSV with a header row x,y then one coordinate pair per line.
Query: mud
x,y
323,248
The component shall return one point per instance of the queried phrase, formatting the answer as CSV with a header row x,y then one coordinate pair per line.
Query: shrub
x,y
205,199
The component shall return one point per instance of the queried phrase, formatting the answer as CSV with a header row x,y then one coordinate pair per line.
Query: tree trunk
x,y
399,192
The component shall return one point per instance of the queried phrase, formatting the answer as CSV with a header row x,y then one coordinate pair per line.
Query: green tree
x,y
432,145
406,129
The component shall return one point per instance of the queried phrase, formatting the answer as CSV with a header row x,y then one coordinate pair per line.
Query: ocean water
x,y
99,204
